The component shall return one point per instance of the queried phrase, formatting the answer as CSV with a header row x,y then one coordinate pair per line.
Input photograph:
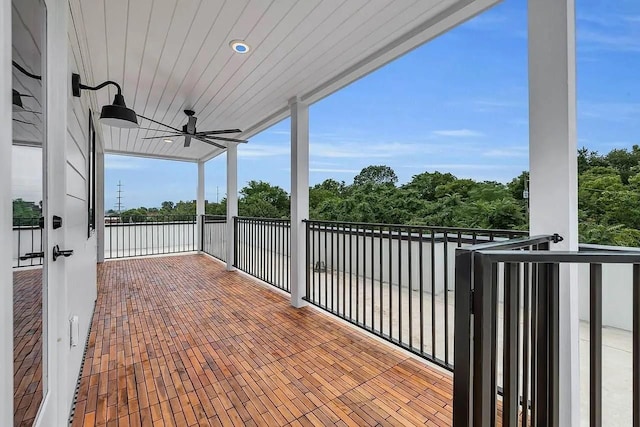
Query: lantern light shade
x,y
118,115
17,101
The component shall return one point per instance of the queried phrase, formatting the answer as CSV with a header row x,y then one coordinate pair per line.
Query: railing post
x,y
462,391
484,363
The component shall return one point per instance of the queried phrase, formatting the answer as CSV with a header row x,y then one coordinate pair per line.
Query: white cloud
x,y
445,167
458,133
330,170
368,150
611,111
26,175
507,152
254,151
123,163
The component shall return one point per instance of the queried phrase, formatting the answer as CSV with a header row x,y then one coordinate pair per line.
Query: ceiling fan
x,y
189,132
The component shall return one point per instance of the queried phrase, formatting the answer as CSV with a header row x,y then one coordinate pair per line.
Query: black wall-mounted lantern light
x,y
17,101
117,114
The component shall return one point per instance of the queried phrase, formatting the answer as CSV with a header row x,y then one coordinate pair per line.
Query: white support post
x,y
200,205
99,214
232,202
6,219
299,199
553,169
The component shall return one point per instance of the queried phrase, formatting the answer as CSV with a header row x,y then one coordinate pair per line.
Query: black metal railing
x,y
262,249
214,236
394,281
27,242
150,235
507,331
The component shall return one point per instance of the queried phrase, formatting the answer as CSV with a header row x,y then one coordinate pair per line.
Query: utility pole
x,y
119,198
217,200
525,194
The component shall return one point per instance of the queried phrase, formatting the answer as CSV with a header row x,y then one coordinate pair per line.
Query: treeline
x,y
609,196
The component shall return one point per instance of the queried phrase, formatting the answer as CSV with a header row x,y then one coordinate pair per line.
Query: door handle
x,y
58,253
30,255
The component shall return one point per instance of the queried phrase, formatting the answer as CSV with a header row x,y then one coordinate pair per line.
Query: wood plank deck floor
x,y
178,341
27,345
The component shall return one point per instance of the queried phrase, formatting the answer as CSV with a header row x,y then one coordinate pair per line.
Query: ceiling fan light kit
x,y
116,114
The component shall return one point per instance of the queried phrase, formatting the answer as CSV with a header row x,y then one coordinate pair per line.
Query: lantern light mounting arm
x,y
76,85
25,72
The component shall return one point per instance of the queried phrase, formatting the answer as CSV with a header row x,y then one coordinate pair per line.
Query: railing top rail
x,y
568,257
517,243
254,218
588,247
425,227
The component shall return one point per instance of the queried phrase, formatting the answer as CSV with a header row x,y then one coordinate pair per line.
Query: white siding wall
x,y
81,267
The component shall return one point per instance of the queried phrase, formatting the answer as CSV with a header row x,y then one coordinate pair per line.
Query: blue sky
x,y
457,104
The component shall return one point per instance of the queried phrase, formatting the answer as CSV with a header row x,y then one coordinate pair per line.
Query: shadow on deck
x,y
180,341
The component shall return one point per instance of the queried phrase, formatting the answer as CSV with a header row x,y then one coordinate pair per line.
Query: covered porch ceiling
x,y
169,56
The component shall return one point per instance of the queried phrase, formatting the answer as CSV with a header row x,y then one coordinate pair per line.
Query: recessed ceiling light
x,y
239,46
168,140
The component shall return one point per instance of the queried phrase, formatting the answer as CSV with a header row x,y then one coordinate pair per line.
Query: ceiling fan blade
x,y
226,139
24,122
217,132
163,136
187,140
157,130
158,123
207,141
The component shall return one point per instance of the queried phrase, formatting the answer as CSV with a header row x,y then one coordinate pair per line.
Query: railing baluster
x,y
380,270
526,332
390,236
372,278
432,266
410,286
357,254
595,345
636,345
344,270
445,259
364,276
511,345
400,285
421,288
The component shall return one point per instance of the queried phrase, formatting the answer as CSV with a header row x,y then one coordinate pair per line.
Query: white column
x,y
232,201
299,199
100,203
553,168
6,218
200,204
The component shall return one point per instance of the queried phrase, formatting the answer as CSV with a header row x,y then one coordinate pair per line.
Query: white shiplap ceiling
x,y
169,55
27,34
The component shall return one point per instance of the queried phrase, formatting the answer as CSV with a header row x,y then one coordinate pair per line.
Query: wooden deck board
x,y
179,341
27,345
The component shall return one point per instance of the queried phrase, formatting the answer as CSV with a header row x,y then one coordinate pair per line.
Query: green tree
x,y
376,175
